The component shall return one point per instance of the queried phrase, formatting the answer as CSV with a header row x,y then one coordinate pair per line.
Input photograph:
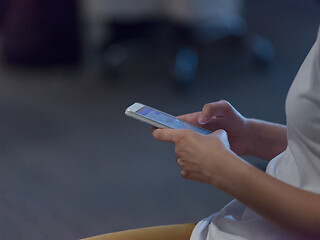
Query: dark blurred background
x,y
72,165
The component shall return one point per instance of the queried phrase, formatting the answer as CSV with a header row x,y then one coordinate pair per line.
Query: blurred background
x,y
72,165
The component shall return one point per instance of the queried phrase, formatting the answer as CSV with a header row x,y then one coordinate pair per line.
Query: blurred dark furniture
x,y
185,41
40,33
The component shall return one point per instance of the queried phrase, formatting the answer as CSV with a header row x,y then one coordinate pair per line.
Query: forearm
x,y
265,140
294,210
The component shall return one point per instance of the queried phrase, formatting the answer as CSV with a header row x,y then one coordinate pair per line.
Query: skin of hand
x,y
203,158
214,159
222,115
206,158
253,137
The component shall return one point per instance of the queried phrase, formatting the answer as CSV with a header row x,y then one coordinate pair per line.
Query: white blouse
x,y
298,165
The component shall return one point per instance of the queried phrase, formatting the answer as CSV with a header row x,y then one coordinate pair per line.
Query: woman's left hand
x,y
203,158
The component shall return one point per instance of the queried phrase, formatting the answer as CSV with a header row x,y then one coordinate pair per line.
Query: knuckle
x,y
206,107
225,103
221,132
184,173
181,163
157,134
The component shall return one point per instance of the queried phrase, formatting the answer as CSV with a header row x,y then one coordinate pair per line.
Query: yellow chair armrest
x,y
169,232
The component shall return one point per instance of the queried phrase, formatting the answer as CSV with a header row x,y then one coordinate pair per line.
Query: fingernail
x,y
202,119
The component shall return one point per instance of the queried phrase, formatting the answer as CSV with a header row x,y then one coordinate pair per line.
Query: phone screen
x,y
169,120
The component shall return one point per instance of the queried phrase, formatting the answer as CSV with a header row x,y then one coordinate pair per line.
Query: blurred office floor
x,y
72,165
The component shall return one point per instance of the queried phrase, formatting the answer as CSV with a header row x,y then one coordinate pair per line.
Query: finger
x,y
180,162
184,173
152,129
188,165
215,109
166,134
191,118
194,176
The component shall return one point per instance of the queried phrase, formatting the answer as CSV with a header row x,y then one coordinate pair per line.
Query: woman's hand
x,y
203,158
221,115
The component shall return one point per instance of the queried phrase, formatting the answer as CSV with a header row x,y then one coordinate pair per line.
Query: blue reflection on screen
x,y
169,120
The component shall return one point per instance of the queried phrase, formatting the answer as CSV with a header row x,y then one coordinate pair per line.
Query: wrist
x,y
264,139
229,173
246,131
246,137
250,140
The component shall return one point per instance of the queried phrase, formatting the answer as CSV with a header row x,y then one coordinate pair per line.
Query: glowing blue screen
x,y
168,120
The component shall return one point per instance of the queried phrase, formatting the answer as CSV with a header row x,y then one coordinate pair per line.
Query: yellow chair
x,y
169,232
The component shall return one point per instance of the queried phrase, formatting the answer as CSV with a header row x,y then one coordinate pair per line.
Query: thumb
x,y
215,109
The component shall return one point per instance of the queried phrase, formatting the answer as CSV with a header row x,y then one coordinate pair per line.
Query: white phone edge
x,y
131,112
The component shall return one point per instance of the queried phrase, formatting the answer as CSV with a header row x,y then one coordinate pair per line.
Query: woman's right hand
x,y
222,115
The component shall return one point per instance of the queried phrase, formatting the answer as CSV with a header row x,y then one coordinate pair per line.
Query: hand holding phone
x,y
160,119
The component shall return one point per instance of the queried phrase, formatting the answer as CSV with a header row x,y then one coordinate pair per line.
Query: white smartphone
x,y
160,119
